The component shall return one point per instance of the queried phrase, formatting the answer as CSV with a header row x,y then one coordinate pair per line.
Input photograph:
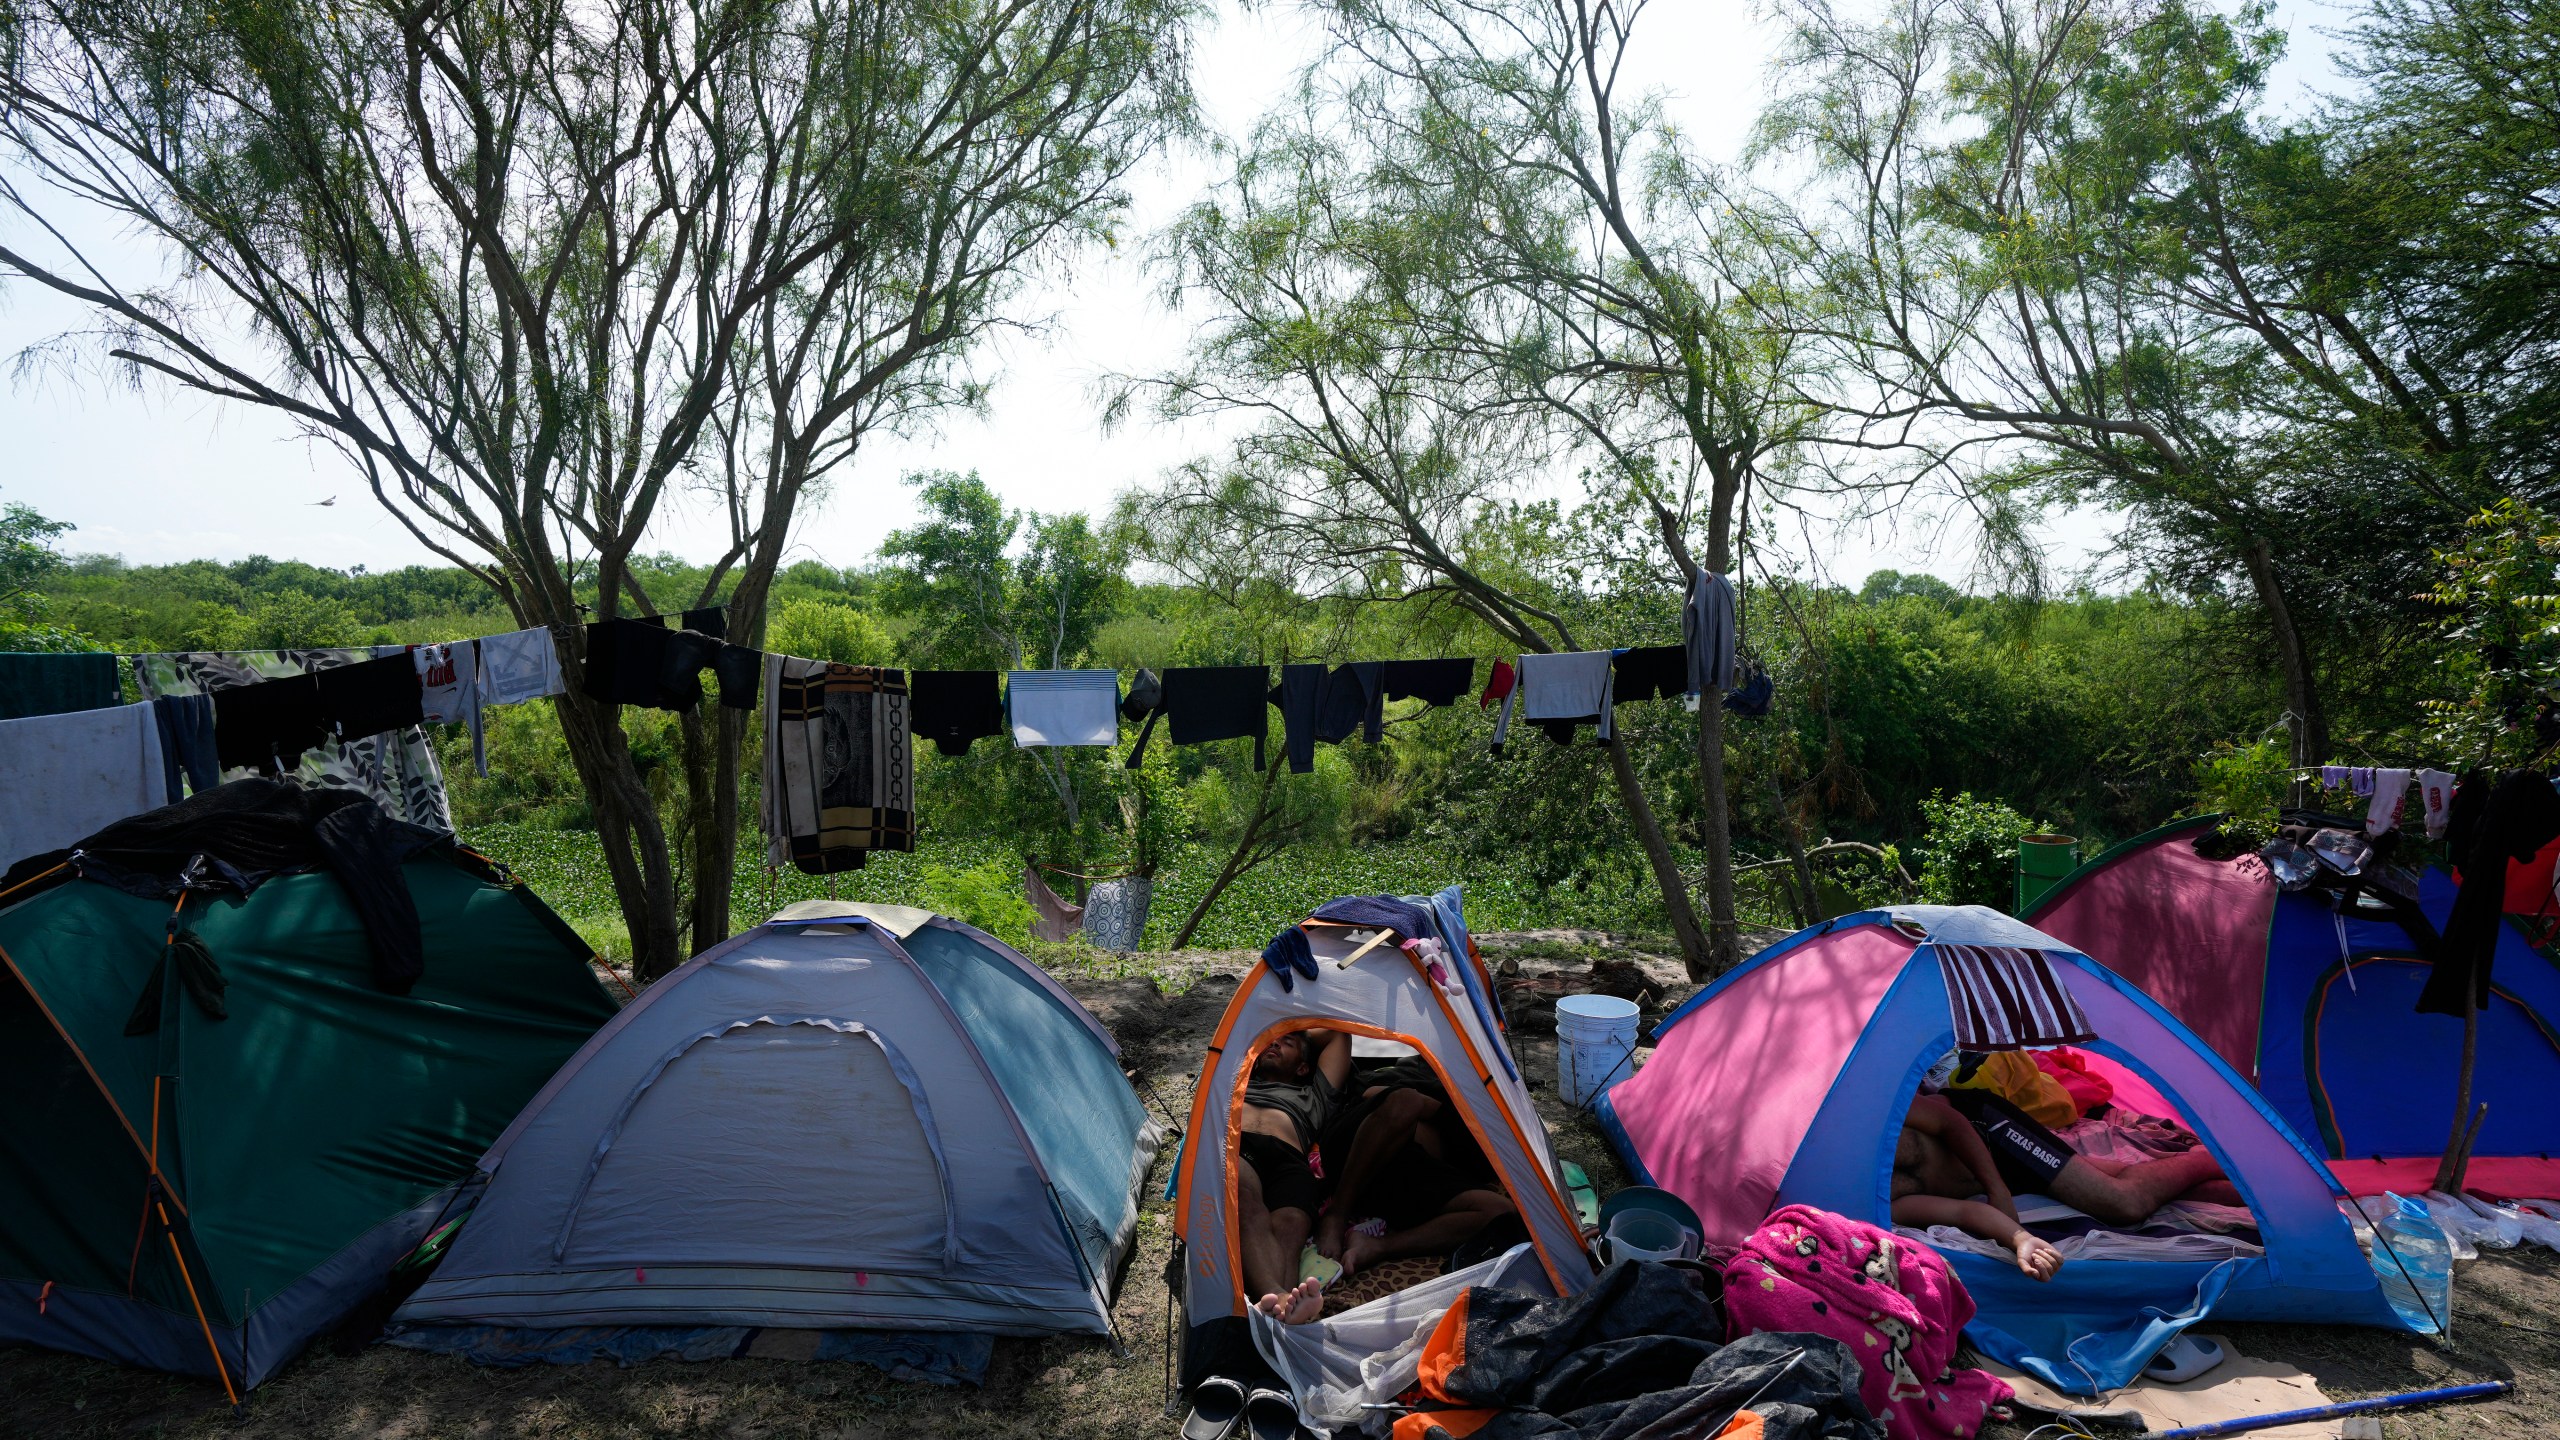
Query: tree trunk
x,y
718,816
1809,911
2457,1153
2293,659
1240,860
635,839
1666,869
1724,938
714,736
1720,951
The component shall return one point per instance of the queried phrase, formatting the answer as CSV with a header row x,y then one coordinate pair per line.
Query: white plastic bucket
x,y
1649,1235
1595,1045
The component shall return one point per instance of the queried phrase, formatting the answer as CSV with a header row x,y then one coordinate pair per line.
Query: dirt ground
x,y
2507,1315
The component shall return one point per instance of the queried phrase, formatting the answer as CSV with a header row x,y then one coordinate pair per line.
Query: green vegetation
x,y
981,883
1971,851
2099,715
2013,255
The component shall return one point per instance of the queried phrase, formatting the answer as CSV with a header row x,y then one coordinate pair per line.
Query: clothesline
x,y
349,717
838,759
76,758
2387,788
838,776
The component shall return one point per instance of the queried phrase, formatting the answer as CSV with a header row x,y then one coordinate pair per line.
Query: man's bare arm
x,y
1943,1122
1333,1058
2035,1257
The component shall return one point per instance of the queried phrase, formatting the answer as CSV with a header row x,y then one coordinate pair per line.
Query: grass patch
x,y
610,937
566,868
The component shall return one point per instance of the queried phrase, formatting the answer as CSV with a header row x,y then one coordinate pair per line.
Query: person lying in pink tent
x,y
1966,1143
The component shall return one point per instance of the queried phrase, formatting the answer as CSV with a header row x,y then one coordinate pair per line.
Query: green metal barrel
x,y
2042,862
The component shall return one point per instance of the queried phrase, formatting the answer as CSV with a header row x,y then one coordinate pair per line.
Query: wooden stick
x,y
2470,1138
1346,961
2449,1170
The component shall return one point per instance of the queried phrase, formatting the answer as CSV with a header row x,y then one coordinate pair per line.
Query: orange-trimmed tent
x,y
1368,988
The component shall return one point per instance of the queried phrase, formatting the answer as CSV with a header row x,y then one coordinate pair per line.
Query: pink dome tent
x,y
1786,1082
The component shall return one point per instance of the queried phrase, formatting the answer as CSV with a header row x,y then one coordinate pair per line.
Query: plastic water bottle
x,y
2419,1283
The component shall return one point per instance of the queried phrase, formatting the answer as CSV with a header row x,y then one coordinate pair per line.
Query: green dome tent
x,y
178,1184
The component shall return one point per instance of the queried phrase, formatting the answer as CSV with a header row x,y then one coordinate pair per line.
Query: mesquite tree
x,y
1538,271
2074,257
530,266
1368,454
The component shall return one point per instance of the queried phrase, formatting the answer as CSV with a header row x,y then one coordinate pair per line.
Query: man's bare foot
x,y
1330,1232
1296,1307
1358,1250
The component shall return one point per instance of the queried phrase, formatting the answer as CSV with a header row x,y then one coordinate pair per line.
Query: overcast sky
x,y
157,476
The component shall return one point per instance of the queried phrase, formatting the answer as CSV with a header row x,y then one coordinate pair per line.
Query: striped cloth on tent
x,y
2004,997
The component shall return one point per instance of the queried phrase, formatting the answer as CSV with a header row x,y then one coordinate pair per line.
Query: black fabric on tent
x,y
1638,1354
235,837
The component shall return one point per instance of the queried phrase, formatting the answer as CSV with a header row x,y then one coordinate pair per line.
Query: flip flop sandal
x,y
2182,1359
1217,1404
1270,1415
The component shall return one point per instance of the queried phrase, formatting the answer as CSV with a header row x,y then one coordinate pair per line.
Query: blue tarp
x,y
1445,907
2096,1332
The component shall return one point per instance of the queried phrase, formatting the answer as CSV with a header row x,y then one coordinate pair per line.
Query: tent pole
x,y
1119,1348
2450,1171
169,1233
2408,1399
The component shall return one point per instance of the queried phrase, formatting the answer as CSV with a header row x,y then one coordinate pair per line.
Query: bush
x,y
1969,853
827,630
294,619
531,780
981,882
2249,783
987,895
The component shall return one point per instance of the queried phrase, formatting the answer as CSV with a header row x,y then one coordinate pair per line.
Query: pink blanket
x,y
1896,1306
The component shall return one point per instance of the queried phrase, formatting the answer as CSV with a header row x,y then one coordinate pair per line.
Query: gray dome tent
x,y
850,1117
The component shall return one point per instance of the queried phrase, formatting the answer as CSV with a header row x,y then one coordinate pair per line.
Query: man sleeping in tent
x,y
1399,1155
1291,1094
1395,1159
1964,1143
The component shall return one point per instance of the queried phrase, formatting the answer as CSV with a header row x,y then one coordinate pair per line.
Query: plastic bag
x,y
2464,1226
2541,1222
2387,1208
2507,1220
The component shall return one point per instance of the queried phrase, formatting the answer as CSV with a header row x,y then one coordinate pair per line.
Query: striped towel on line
x,y
2006,998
